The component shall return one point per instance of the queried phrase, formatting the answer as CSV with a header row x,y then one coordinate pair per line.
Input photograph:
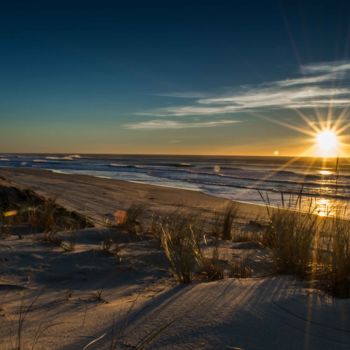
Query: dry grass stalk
x,y
224,220
240,269
109,247
212,267
181,242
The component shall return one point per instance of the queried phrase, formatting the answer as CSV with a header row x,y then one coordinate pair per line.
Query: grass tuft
x,y
180,239
334,257
109,247
290,234
240,269
224,220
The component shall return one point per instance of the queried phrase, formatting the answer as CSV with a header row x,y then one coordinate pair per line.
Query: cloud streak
x,y
183,94
159,124
326,67
313,89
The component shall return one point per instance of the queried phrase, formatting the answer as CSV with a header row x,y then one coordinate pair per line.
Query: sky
x,y
172,77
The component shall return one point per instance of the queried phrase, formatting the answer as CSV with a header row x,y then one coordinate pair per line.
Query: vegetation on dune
x,y
180,239
224,220
301,242
310,246
41,214
290,235
333,256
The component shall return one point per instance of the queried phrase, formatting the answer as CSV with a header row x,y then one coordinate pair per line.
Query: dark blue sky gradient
x,y
72,71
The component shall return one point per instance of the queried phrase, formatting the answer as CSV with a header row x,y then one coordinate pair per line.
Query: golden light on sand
x,y
327,143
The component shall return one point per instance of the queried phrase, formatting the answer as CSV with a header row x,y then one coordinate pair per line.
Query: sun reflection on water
x,y
325,172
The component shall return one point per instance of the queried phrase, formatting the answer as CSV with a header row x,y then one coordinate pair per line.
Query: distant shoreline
x,y
98,197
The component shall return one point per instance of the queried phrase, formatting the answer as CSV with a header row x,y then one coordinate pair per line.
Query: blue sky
x,y
194,77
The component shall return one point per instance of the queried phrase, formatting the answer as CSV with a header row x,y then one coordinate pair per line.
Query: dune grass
x,y
334,257
290,235
18,206
223,221
212,267
239,268
183,240
310,246
180,240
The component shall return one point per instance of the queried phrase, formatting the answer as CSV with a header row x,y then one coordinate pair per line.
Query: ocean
x,y
242,178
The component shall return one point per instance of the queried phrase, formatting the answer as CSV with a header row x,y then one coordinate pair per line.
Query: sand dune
x,y
86,296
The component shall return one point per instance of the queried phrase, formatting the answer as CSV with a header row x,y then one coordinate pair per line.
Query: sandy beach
x,y
99,198
87,299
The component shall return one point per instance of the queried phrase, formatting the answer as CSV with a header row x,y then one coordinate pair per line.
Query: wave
x,y
71,157
211,175
298,191
58,171
118,165
174,164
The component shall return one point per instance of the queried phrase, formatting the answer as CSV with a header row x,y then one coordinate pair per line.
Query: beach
x,y
98,198
87,299
236,178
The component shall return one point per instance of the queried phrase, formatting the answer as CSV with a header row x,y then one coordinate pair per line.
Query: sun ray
x,y
284,124
306,119
281,168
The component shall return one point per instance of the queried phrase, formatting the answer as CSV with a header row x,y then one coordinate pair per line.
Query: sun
x,y
327,143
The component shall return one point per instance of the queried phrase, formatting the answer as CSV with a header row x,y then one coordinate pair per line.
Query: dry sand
x,y
141,306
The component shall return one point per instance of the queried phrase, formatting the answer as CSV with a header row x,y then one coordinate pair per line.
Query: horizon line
x,y
172,155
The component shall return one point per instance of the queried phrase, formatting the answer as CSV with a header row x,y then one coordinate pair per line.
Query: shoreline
x,y
98,198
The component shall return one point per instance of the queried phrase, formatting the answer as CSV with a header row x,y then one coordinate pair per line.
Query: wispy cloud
x,y
263,98
326,67
183,94
306,80
171,124
313,89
